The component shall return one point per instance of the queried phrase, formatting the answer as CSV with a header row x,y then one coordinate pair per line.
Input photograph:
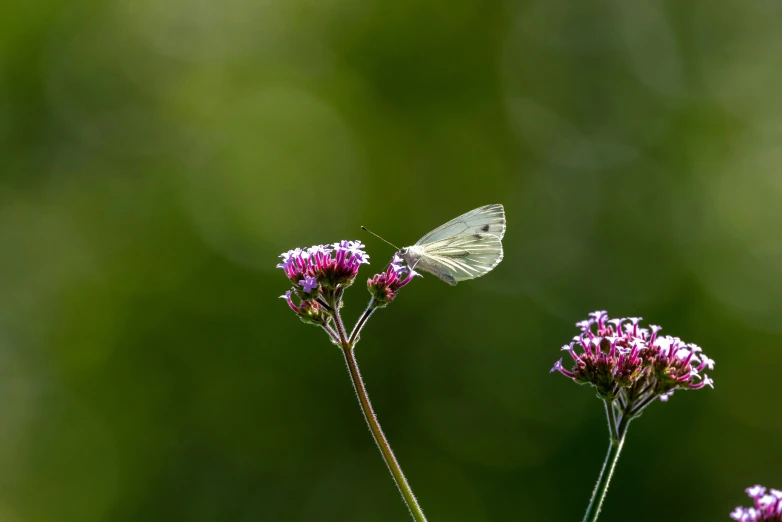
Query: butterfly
x,y
466,247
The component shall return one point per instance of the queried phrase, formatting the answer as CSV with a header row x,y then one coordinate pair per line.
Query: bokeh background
x,y
157,156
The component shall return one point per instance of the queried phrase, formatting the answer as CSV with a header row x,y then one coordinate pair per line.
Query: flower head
x,y
327,267
617,356
767,506
385,285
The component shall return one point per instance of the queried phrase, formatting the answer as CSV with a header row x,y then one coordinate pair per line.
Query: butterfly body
x,y
466,247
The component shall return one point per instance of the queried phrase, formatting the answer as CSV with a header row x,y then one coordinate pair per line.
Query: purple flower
x,y
309,284
620,359
385,285
767,506
326,267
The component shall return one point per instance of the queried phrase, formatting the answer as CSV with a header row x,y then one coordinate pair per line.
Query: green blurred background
x,y
157,156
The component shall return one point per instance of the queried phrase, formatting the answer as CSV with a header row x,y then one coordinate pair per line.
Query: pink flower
x,y
317,267
617,356
385,285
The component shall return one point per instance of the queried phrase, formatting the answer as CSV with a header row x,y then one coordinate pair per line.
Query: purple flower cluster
x,y
768,506
385,285
319,274
315,267
620,357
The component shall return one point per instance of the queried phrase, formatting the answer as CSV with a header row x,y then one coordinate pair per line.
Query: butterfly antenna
x,y
380,238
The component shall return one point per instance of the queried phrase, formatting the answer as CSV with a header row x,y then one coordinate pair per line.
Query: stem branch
x,y
640,406
361,321
329,330
611,414
343,336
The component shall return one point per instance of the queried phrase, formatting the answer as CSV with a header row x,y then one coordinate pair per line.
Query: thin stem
x,y
643,404
343,337
324,304
366,406
648,387
623,425
380,438
618,417
614,450
623,399
609,404
361,321
329,330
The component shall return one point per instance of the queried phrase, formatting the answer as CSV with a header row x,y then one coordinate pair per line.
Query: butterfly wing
x,y
489,219
459,258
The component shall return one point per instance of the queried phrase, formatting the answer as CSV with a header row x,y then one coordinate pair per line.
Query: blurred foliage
x,y
156,157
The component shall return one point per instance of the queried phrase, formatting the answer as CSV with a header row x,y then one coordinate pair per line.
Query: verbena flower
x,y
630,367
768,506
317,267
617,355
385,285
317,273
319,276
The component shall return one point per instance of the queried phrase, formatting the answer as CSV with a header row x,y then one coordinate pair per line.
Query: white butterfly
x,y
466,247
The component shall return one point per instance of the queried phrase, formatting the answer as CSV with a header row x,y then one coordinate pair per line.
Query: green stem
x,y
380,438
361,322
347,344
341,332
614,449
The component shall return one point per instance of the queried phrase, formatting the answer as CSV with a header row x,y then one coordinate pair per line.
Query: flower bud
x,y
385,285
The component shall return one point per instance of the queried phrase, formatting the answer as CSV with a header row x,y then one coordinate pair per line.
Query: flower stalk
x,y
616,442
630,367
319,282
380,438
